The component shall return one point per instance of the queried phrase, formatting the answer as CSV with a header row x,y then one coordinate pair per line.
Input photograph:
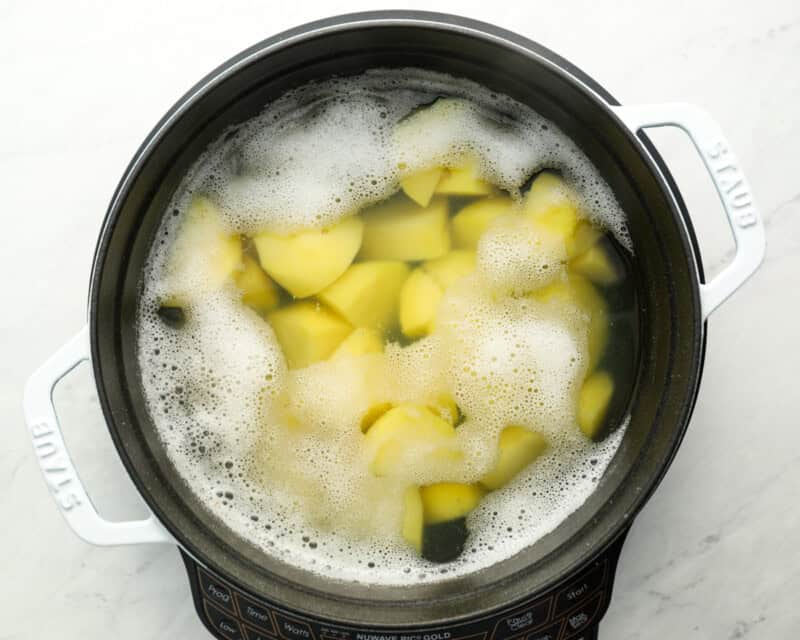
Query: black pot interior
x,y
665,264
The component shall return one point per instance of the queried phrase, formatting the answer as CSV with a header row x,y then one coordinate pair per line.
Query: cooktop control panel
x,y
571,612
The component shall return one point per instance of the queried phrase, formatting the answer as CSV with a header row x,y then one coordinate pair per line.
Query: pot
x,y
559,587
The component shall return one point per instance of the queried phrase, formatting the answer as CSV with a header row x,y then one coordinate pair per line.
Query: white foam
x,y
277,454
515,257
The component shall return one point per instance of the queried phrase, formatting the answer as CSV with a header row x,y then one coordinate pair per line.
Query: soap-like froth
x,y
278,455
515,257
327,149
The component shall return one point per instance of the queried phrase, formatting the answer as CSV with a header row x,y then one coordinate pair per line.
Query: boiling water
x,y
217,388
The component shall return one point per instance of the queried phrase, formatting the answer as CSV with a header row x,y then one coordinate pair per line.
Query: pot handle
x,y
57,467
732,187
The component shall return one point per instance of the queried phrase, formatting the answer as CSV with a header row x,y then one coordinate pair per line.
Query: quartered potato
x,y
578,292
360,342
421,186
550,204
598,263
593,400
449,501
451,267
307,332
401,230
419,299
413,518
464,181
445,407
469,224
585,236
258,290
445,506
306,262
422,292
366,295
516,449
204,255
409,434
373,413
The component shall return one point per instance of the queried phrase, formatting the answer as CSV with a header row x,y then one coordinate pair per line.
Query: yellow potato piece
x,y
400,230
258,290
449,500
464,181
593,400
585,236
367,293
413,518
419,300
595,264
550,204
372,414
360,342
451,267
578,292
204,255
307,332
445,407
421,185
409,435
306,262
469,224
517,448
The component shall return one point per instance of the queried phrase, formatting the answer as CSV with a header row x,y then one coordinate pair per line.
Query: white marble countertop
x,y
714,554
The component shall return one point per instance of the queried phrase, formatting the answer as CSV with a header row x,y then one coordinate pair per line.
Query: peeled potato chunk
x,y
597,264
578,292
258,291
401,230
517,448
451,267
412,518
306,262
422,292
204,254
360,342
366,294
409,435
445,407
464,181
469,224
586,235
307,332
550,204
419,299
373,413
421,185
445,501
593,400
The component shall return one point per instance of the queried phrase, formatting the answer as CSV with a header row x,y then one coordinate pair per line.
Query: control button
x,y
216,592
291,629
522,620
222,622
251,633
580,589
255,614
550,633
580,618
